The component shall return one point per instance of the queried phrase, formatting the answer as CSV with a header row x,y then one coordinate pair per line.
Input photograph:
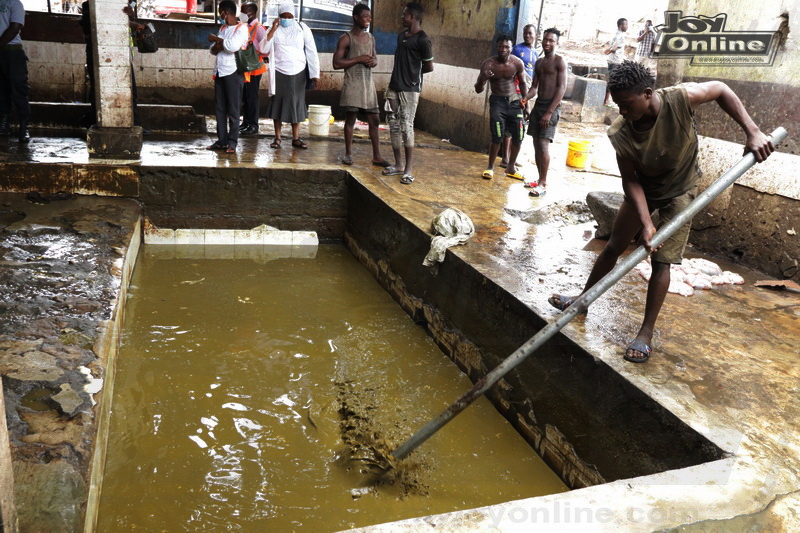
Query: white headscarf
x,y
287,7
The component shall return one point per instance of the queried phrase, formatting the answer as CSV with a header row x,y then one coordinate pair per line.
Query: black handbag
x,y
146,40
248,60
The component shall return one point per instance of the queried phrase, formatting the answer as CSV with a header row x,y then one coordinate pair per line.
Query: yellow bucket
x,y
578,153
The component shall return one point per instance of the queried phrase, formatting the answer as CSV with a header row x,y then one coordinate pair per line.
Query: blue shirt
x,y
527,55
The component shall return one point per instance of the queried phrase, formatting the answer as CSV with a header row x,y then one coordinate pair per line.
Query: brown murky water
x,y
238,379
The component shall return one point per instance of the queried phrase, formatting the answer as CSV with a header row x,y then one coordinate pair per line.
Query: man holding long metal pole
x,y
656,144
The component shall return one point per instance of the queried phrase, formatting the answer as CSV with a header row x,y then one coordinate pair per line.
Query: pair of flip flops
x,y
407,179
516,175
487,174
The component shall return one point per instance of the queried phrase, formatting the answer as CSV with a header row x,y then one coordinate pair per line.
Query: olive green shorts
x,y
671,251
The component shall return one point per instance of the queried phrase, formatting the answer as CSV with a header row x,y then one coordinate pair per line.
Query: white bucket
x,y
319,120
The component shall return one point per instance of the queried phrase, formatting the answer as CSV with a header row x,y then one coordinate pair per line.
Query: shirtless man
x,y
550,81
505,110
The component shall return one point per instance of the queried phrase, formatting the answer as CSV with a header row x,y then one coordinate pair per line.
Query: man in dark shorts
x,y
656,144
549,82
412,58
355,53
505,111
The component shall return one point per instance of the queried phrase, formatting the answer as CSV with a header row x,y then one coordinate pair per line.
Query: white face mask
x,y
243,17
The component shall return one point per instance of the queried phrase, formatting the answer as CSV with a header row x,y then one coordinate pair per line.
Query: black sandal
x,y
298,143
276,143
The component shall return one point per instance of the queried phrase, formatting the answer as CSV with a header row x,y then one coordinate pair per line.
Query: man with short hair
x,y
505,109
615,53
526,50
356,54
412,59
14,87
228,83
645,39
656,144
252,79
549,84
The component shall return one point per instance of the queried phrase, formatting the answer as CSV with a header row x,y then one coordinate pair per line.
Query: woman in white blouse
x,y
291,50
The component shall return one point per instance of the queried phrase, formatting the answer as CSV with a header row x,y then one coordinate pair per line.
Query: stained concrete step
x,y
160,118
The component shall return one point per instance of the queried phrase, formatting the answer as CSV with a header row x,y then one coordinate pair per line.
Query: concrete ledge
x,y
160,118
114,143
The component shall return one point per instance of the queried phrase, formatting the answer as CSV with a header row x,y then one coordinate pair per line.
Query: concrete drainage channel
x,y
588,423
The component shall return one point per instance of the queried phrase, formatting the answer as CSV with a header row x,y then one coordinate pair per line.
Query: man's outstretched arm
x,y
716,91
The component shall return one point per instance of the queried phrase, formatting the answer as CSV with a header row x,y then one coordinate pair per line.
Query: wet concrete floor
x,y
725,360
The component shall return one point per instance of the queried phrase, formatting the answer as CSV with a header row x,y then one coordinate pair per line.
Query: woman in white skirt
x,y
293,59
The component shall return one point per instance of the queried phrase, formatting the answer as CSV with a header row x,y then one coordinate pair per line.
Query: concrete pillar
x,y
114,136
7,507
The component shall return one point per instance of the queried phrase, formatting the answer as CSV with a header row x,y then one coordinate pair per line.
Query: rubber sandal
x,y
515,175
217,147
530,184
538,191
407,179
230,150
391,171
562,303
642,348
298,143
276,143
346,160
384,164
487,174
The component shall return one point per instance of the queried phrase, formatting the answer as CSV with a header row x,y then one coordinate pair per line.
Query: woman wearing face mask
x,y
291,49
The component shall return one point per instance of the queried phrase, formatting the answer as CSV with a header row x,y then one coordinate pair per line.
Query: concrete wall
x,y
209,198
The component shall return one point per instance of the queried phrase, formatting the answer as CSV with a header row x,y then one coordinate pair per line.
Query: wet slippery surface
x,y
59,277
725,360
237,380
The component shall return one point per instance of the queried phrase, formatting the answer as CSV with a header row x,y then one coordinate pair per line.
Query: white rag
x,y
451,227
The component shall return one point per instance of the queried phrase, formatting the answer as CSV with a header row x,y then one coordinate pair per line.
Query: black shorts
x,y
362,111
534,128
505,116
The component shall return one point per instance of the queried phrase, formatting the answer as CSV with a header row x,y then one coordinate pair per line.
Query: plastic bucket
x,y
319,120
578,153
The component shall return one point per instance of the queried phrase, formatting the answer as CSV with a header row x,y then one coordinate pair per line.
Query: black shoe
x,y
5,127
24,134
249,130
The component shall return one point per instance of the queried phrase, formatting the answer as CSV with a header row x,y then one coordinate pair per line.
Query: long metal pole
x,y
580,304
